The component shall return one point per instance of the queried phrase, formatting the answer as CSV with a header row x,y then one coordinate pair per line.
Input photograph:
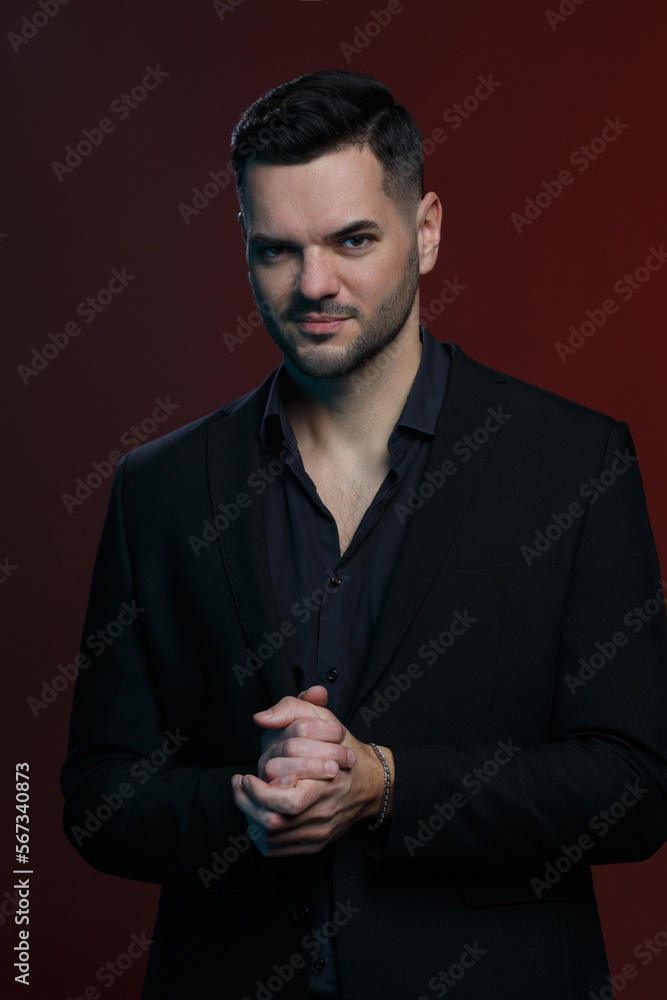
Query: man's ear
x,y
243,228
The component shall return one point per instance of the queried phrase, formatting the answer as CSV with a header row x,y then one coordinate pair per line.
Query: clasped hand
x,y
315,780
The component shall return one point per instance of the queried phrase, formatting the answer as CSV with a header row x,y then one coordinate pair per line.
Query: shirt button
x,y
301,913
335,580
318,964
332,675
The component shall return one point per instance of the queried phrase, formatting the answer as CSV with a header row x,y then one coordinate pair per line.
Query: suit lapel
x,y
473,392
234,455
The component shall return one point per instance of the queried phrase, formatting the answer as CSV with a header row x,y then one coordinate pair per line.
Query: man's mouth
x,y
312,323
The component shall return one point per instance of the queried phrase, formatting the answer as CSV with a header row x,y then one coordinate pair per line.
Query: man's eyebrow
x,y
353,227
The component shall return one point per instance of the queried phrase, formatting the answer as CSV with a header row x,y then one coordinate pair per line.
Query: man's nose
x,y
317,278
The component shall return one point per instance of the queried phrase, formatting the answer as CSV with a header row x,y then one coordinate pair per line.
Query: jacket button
x,y
301,913
335,580
318,964
332,675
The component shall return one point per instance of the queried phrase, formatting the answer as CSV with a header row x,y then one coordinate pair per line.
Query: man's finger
x,y
321,730
303,767
315,832
310,748
287,801
308,728
287,710
258,816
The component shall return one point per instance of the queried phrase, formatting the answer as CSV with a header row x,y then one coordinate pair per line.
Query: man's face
x,y
325,242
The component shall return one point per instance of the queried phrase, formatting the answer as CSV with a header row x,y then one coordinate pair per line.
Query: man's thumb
x,y
316,695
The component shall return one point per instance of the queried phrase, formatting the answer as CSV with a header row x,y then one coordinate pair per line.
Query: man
x,y
396,676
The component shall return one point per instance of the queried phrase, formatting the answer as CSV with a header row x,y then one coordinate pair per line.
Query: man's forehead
x,y
335,188
353,170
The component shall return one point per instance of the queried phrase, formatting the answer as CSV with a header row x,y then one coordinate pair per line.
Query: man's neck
x,y
355,414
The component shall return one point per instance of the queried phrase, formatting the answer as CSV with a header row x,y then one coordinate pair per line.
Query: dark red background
x,y
163,336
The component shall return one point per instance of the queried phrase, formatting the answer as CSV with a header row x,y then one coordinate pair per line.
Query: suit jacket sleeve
x,y
603,774
134,806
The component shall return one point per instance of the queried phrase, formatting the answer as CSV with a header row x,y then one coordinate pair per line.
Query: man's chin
x,y
332,366
316,357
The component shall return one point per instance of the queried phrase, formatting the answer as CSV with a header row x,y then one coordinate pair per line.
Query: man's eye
x,y
267,253
275,252
364,240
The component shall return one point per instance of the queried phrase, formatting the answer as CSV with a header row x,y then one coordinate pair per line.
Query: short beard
x,y
376,333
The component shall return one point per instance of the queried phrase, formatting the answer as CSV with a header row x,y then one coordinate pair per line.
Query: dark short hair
x,y
324,112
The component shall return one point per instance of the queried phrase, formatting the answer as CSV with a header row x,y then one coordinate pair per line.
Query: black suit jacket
x,y
518,673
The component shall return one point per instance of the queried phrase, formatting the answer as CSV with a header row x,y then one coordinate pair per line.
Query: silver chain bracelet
x,y
387,787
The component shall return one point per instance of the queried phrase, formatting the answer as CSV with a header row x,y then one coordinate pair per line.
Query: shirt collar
x,y
421,408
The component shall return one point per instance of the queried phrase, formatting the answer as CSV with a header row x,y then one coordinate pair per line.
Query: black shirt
x,y
334,601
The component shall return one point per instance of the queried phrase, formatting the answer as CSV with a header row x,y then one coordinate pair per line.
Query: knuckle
x,y
272,821
299,801
329,809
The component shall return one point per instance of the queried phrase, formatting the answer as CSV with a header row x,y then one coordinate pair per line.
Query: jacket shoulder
x,y
190,440
542,403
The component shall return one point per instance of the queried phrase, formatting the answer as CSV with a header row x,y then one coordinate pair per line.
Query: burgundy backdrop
x,y
538,254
